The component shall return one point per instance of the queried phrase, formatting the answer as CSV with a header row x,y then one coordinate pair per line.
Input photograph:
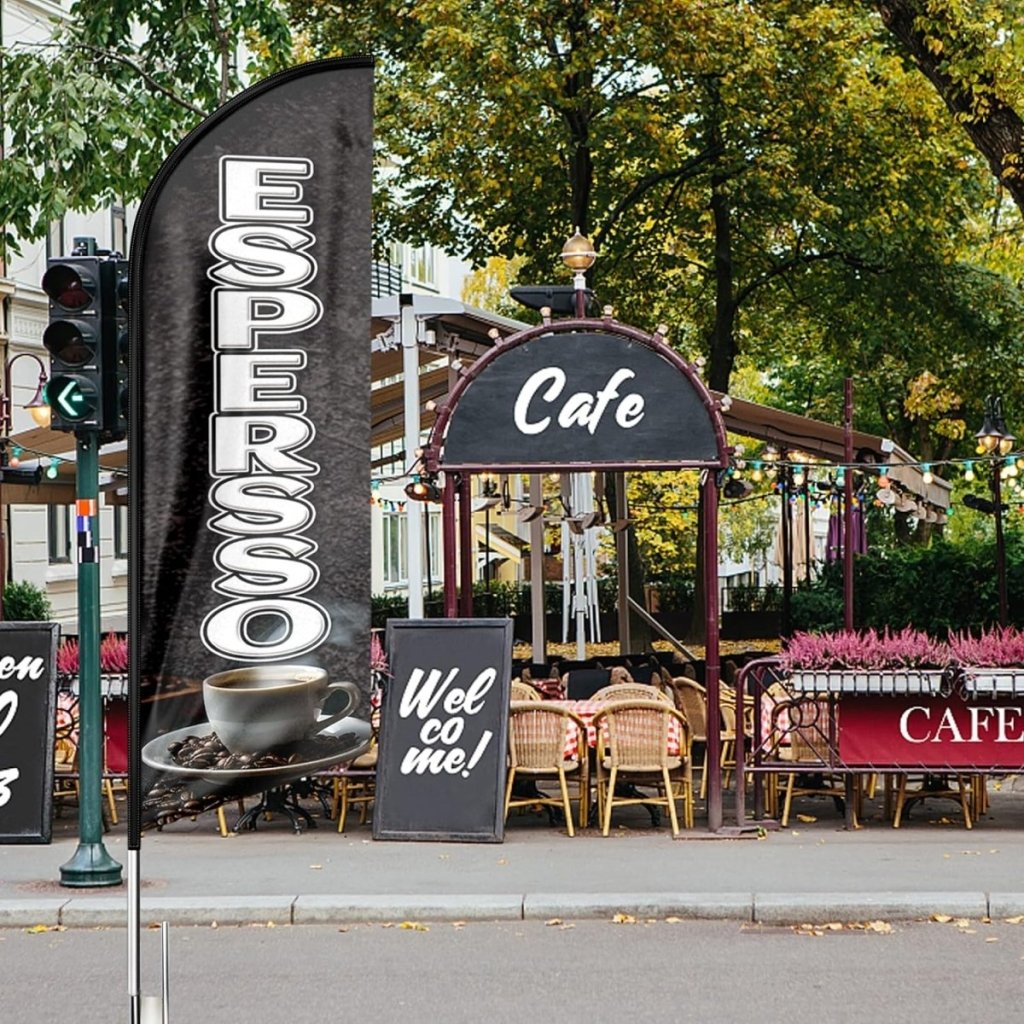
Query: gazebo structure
x,y
584,395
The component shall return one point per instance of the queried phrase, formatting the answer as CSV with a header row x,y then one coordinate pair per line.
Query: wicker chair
x,y
537,735
692,700
355,783
630,691
936,787
632,747
524,691
727,713
803,722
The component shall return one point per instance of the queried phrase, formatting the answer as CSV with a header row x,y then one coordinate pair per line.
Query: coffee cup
x,y
259,707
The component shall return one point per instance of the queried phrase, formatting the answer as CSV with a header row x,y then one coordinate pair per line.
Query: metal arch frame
x,y
433,462
433,459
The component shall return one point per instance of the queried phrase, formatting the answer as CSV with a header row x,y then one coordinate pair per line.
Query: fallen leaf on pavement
x,y
623,919
37,928
941,918
882,927
673,920
413,926
1019,919
806,818
834,926
992,938
553,922
316,867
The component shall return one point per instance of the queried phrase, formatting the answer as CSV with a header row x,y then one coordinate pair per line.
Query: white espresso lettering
x,y
258,426
257,189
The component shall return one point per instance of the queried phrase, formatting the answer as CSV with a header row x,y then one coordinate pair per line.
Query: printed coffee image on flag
x,y
249,445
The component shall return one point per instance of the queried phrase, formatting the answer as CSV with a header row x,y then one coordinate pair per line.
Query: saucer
x,y
350,736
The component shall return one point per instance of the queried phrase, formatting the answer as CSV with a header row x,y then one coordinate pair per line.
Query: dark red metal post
x,y
997,500
709,498
451,596
848,504
467,553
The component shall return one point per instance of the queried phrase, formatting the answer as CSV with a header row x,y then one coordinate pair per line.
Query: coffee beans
x,y
208,752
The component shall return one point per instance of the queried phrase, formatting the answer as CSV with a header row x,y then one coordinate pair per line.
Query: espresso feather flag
x,y
249,445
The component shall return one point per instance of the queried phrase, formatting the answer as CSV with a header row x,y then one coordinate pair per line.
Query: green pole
x,y
91,865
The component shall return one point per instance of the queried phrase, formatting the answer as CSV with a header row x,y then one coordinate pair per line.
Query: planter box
x,y
894,681
994,681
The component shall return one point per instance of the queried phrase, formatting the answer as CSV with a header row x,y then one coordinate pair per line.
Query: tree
x,y
971,54
724,158
92,112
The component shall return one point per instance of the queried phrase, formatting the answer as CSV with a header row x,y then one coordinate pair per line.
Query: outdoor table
x,y
587,709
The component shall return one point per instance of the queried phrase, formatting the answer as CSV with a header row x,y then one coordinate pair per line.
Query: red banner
x,y
932,732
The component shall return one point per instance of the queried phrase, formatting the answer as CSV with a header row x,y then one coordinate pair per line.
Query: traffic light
x,y
87,338
114,369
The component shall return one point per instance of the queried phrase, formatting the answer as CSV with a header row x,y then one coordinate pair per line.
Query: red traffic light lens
x,y
67,288
65,341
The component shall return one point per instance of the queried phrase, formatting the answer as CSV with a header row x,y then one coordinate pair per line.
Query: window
x,y
59,533
434,538
395,570
120,531
422,266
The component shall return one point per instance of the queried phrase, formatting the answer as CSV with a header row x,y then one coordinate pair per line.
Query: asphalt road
x,y
591,970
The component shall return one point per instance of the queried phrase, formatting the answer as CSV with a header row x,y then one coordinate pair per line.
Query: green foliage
x,y
92,113
938,588
25,602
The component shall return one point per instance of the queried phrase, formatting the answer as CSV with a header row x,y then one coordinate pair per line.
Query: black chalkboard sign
x,y
28,699
444,730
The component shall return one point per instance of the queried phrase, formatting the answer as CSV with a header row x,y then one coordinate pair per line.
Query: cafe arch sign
x,y
579,394
585,395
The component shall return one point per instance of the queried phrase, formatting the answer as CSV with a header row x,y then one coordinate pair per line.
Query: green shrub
x,y
25,602
938,589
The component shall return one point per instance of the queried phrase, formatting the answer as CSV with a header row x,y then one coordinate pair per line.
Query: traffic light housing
x,y
114,371
87,338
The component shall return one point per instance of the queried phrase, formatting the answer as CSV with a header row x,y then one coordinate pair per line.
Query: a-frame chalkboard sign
x,y
28,697
444,730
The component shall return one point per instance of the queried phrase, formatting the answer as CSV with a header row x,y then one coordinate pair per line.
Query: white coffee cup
x,y
259,707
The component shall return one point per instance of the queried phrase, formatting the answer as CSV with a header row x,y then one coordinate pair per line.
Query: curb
x,y
746,908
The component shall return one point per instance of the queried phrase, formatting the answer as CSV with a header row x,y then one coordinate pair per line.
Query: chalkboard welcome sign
x,y
28,697
441,773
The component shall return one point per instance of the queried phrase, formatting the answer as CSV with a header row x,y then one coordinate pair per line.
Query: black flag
x,y
249,445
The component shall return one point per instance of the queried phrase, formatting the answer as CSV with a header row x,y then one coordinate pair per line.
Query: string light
x,y
968,470
926,476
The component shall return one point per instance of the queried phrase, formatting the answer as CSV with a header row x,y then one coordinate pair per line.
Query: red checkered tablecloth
x,y
586,709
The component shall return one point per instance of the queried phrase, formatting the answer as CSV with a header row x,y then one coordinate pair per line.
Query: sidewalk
x,y
812,872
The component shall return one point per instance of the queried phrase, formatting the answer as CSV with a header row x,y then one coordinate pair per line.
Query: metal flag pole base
x,y
144,1009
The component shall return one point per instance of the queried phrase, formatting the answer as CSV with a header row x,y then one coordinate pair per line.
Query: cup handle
x,y
354,696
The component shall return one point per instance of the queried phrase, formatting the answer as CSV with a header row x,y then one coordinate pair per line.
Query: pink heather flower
x,y
865,650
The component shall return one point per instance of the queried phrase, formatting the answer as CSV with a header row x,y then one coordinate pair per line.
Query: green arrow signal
x,y
74,398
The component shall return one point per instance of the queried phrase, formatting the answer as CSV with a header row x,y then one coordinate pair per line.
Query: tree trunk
x,y
993,126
